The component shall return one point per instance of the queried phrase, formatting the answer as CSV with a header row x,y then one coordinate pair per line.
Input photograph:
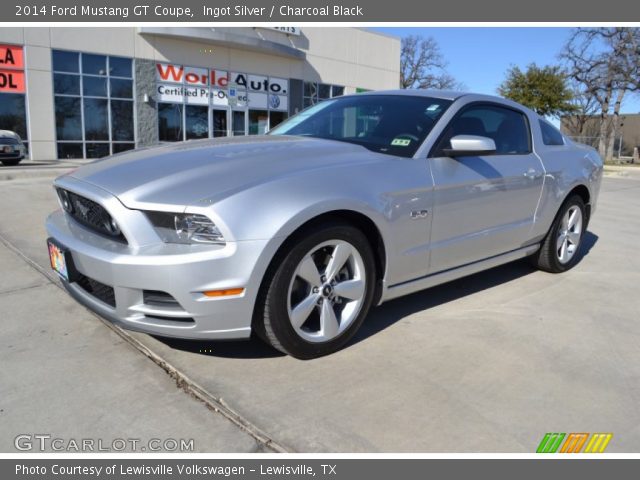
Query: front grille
x,y
90,214
8,141
102,292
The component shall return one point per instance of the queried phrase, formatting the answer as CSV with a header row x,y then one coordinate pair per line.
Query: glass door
x,y
220,125
239,123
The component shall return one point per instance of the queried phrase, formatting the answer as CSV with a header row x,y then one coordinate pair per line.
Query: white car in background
x,y
12,150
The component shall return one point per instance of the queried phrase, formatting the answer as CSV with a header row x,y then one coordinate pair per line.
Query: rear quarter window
x,y
550,134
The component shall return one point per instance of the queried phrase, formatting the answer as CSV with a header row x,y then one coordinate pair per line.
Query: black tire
x,y
272,321
11,163
547,257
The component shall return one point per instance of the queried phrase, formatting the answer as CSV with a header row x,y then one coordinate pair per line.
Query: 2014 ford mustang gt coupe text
x,y
294,235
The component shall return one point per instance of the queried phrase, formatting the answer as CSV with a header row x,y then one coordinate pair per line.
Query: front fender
x,y
283,211
385,192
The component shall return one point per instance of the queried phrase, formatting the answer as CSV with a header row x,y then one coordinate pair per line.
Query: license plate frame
x,y
61,260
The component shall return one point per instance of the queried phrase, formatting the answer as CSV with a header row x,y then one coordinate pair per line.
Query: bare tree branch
x,y
423,66
605,62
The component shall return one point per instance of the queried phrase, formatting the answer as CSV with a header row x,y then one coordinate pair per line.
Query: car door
x,y
484,205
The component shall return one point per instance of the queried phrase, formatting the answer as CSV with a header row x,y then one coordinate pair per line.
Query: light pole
x,y
621,134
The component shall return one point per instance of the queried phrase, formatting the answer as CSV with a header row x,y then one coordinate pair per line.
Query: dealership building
x,y
91,92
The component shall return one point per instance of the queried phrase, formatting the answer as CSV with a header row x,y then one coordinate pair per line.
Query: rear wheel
x,y
320,293
559,251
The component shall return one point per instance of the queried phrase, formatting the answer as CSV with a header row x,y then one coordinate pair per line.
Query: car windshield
x,y
391,124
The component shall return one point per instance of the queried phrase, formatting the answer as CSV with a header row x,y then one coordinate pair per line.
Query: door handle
x,y
532,174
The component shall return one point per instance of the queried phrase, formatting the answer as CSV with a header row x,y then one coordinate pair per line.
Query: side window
x,y
508,128
550,135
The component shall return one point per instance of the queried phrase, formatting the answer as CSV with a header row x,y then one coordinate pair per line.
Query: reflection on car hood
x,y
183,173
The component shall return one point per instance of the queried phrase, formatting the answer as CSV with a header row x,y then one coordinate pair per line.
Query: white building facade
x,y
91,92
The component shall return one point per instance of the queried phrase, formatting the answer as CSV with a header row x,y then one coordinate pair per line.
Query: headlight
x,y
185,228
65,201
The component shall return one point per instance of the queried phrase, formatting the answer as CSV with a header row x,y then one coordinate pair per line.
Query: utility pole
x,y
621,134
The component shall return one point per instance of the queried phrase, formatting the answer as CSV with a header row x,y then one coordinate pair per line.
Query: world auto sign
x,y
11,69
204,86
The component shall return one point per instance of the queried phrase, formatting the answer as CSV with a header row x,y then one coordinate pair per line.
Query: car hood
x,y
180,174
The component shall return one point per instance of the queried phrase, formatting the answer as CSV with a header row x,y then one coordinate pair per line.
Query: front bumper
x,y
14,155
181,271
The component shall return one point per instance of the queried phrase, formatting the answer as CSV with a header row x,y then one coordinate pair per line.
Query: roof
x,y
450,95
443,94
380,34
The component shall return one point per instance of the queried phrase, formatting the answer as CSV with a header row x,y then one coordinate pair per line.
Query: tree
x,y
423,66
580,123
586,107
542,89
605,61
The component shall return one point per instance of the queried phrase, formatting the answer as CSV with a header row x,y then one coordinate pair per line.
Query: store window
x,y
94,105
170,122
313,93
68,119
276,118
196,122
13,112
258,122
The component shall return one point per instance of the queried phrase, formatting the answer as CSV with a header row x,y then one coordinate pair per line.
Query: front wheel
x,y
321,291
559,251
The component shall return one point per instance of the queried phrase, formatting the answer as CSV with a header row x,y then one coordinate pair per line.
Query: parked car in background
x,y
12,150
294,235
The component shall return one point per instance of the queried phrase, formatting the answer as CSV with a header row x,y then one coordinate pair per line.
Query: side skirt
x,y
411,286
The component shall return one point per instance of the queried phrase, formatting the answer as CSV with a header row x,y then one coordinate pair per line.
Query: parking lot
x,y
489,363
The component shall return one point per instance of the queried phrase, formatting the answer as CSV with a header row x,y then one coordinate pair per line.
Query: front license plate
x,y
59,259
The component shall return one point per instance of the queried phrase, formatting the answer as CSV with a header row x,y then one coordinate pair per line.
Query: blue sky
x,y
479,57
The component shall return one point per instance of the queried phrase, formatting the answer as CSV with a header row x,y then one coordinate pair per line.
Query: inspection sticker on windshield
x,y
400,142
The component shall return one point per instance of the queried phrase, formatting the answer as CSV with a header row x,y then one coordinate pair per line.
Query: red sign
x,y
11,81
11,57
168,72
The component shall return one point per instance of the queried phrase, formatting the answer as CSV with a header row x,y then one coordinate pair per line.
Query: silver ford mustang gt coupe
x,y
296,234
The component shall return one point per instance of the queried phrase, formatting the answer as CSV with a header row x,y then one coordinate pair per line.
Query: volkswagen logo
x,y
274,101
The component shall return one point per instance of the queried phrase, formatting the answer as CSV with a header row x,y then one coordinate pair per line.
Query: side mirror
x,y
470,145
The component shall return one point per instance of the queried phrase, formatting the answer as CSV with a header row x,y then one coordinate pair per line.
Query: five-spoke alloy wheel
x,y
569,234
327,291
320,292
559,251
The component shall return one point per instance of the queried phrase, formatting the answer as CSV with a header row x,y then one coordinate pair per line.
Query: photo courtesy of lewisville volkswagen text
x,y
233,244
